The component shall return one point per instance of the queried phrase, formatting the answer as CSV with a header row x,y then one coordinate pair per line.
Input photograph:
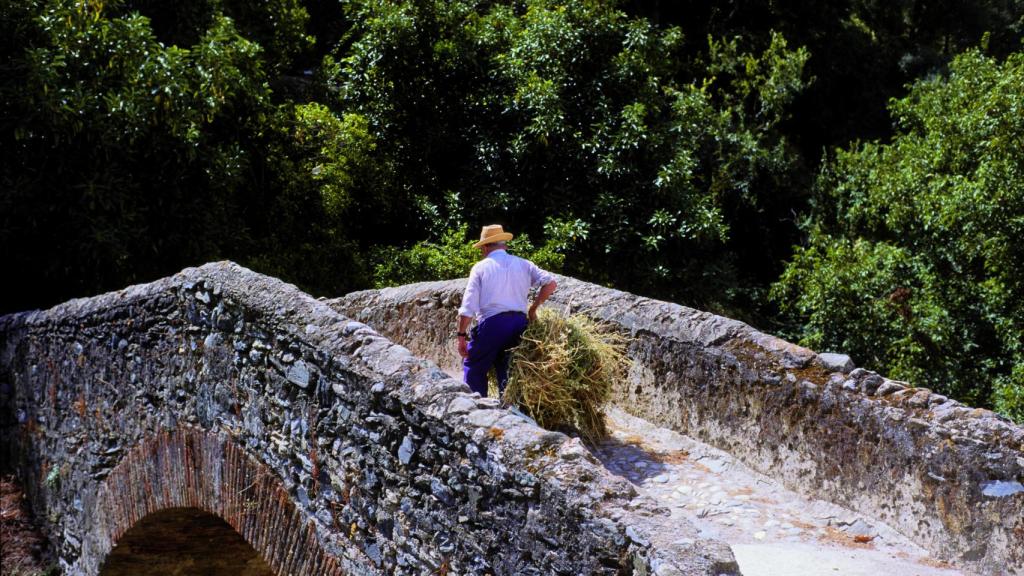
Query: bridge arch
x,y
191,468
178,541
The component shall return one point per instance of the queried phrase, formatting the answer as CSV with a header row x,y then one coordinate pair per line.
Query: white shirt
x,y
500,283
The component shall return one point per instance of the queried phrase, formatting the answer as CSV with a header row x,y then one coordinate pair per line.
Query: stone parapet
x,y
946,475
329,448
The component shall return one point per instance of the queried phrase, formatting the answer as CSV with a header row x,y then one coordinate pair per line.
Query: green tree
x,y
277,26
317,173
914,259
128,158
121,154
863,52
522,112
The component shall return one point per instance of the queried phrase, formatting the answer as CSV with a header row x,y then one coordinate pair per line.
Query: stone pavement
x,y
772,531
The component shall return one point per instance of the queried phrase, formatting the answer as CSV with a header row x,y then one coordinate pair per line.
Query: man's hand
x,y
463,329
545,291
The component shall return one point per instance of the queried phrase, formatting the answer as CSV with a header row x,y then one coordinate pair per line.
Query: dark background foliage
x,y
847,173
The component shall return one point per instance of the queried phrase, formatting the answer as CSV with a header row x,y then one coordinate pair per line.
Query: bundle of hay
x,y
562,372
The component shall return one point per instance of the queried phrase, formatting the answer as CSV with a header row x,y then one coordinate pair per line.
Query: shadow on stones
x,y
629,460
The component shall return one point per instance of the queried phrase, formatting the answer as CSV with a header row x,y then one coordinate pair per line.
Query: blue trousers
x,y
492,339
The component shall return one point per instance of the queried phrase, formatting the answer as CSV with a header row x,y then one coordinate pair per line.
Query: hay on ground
x,y
563,372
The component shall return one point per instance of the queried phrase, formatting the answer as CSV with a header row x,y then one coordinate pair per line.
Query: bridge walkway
x,y
772,531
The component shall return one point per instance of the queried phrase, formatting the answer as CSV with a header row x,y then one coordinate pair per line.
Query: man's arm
x,y
545,292
463,327
469,308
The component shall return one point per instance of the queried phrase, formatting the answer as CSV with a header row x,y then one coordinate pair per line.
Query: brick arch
x,y
193,468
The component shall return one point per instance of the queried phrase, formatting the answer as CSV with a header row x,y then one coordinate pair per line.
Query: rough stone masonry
x,y
329,448
948,476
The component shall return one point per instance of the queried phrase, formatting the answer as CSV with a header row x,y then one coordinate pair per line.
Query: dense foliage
x,y
121,153
575,115
667,148
915,258
862,52
127,158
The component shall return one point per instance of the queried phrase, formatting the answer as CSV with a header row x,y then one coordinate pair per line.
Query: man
x,y
496,295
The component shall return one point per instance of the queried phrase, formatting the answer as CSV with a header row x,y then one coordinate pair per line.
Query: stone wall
x,y
330,449
944,474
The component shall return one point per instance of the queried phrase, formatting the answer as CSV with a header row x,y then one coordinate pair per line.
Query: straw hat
x,y
491,234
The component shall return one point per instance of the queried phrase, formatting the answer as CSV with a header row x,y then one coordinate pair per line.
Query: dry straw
x,y
563,372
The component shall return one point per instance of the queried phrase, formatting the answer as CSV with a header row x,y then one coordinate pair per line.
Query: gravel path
x,y
772,531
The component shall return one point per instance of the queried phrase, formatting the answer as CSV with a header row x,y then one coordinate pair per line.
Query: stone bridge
x,y
330,449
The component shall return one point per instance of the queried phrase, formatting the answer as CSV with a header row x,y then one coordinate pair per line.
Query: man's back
x,y
501,283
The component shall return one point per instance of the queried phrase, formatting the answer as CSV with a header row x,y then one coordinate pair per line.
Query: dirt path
x,y
772,531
